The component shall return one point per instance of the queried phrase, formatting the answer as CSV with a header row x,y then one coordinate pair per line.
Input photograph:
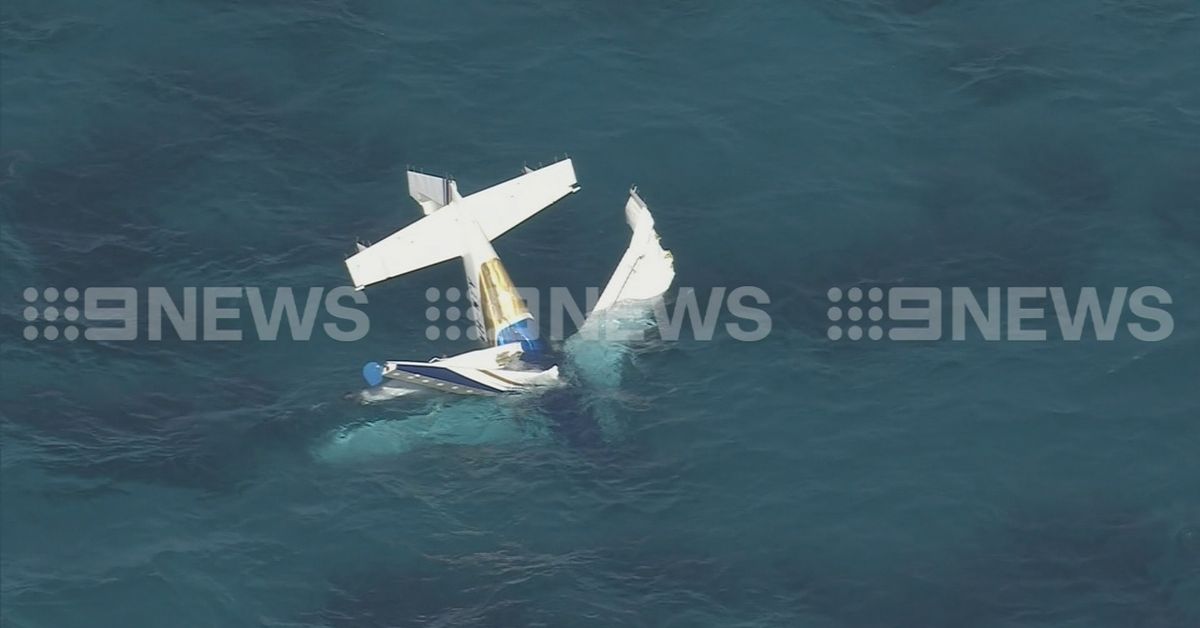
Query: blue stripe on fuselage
x,y
446,375
521,332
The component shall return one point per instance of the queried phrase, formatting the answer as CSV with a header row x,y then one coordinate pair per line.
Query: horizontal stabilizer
x,y
504,206
439,236
428,241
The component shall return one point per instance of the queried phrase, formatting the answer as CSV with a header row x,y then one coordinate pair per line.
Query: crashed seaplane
x,y
516,359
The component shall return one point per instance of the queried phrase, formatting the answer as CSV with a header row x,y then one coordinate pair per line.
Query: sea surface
x,y
792,146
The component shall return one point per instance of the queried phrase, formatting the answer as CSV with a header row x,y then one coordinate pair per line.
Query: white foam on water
x,y
460,422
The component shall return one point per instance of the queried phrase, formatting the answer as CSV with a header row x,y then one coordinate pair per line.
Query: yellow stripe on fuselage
x,y
498,299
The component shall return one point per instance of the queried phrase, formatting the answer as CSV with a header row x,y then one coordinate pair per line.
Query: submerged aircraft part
x,y
456,226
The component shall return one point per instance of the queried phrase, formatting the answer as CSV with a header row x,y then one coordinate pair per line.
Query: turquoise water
x,y
792,146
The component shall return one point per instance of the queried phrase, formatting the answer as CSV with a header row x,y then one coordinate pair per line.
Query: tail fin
x,y
432,193
438,236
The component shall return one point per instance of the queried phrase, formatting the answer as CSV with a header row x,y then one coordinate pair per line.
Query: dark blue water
x,y
792,146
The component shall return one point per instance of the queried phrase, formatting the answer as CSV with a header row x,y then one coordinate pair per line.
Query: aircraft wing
x,y
646,270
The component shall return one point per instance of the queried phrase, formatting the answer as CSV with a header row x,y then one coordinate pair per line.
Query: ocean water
x,y
792,146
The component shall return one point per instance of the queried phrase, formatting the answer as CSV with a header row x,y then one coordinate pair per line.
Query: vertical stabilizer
x,y
430,192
